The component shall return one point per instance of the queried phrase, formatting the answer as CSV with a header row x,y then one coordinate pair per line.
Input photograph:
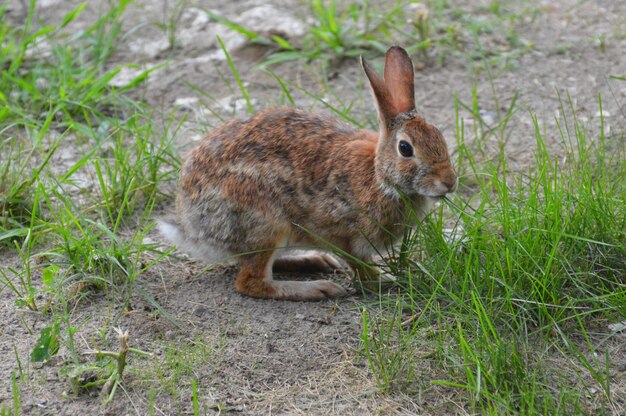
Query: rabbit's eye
x,y
405,148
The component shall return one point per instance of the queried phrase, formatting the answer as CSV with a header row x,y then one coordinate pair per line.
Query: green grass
x,y
504,295
433,30
82,224
7,411
67,98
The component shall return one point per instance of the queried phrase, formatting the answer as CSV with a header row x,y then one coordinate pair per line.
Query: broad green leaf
x,y
49,274
47,345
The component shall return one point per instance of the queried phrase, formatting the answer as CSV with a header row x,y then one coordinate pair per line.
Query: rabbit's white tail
x,y
170,231
203,250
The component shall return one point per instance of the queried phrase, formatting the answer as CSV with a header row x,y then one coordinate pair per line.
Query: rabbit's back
x,y
261,176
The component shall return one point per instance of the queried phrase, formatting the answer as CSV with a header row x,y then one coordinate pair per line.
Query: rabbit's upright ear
x,y
394,94
382,96
399,79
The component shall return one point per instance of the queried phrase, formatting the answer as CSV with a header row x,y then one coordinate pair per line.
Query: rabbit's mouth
x,y
434,193
436,188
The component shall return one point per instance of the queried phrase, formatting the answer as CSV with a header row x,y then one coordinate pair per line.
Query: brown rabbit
x,y
286,178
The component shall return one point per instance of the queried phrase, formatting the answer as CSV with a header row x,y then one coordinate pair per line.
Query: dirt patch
x,y
257,357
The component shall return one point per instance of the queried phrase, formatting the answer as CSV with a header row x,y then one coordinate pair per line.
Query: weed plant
x,y
433,29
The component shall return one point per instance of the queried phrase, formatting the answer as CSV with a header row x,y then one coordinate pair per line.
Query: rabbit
x,y
286,178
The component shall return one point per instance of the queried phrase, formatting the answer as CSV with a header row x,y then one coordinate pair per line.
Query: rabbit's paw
x,y
310,290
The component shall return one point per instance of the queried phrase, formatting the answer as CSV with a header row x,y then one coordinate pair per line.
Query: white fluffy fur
x,y
203,250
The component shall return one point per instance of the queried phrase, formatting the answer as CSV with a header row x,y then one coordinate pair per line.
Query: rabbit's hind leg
x,y
255,279
307,261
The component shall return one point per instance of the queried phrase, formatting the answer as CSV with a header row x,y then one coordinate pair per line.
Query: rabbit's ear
x,y
384,104
399,79
394,94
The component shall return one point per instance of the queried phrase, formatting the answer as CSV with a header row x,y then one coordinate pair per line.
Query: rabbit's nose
x,y
450,181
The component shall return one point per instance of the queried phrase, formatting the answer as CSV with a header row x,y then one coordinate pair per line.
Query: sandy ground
x,y
263,357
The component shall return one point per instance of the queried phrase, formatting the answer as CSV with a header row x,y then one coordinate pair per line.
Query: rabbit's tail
x,y
204,250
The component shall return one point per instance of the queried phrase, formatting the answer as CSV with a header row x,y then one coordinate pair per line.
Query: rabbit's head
x,y
412,155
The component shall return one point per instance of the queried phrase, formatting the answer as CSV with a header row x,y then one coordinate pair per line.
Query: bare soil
x,y
263,357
